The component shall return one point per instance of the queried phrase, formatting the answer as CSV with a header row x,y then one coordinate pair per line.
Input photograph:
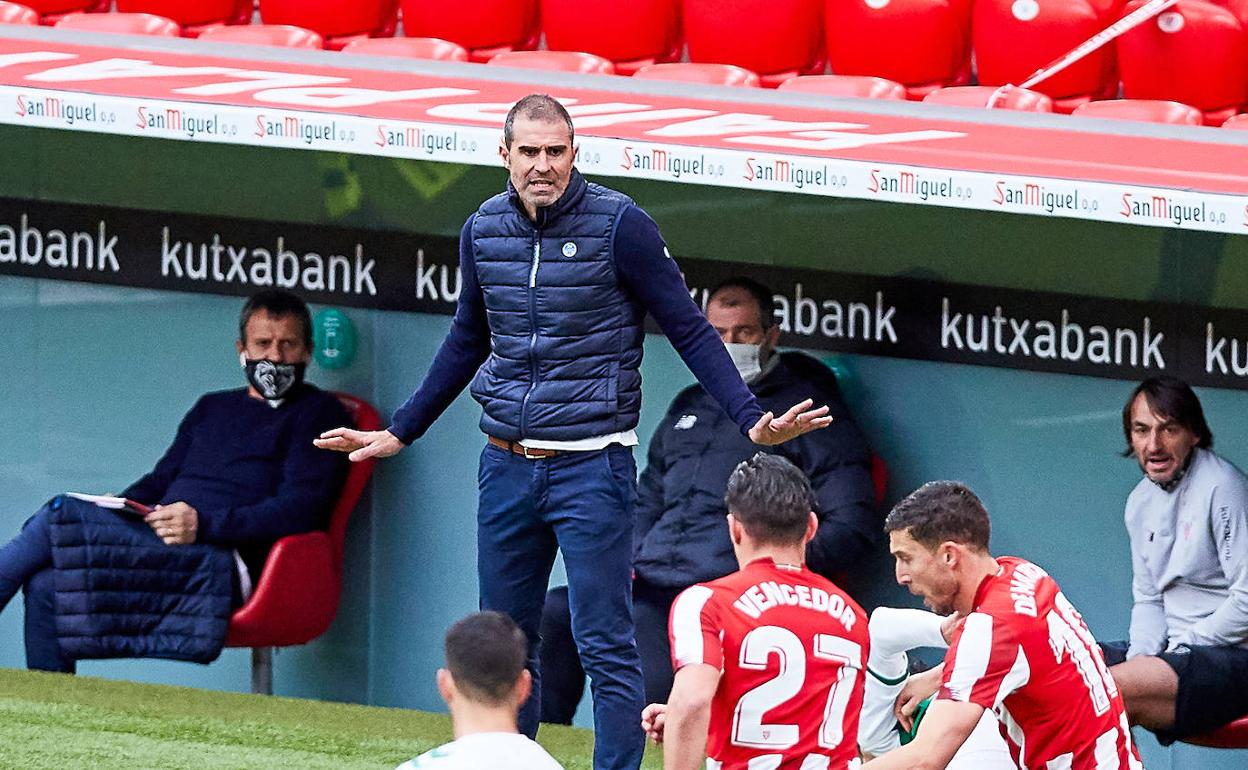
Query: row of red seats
x,y
1165,60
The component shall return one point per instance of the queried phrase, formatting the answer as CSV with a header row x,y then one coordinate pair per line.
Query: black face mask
x,y
273,381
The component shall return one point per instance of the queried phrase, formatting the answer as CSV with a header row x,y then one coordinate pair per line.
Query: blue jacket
x,y
566,336
681,538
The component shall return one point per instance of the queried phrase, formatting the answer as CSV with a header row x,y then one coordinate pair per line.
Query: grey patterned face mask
x,y
746,357
273,380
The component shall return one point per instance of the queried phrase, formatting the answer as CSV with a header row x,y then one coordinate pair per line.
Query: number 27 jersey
x,y
792,649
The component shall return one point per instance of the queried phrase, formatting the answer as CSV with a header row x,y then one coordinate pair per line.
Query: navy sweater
x,y
645,270
251,471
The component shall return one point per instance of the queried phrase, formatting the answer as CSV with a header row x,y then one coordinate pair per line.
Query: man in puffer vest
x,y
558,275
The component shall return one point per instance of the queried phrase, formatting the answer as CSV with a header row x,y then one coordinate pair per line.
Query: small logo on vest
x,y
685,422
569,249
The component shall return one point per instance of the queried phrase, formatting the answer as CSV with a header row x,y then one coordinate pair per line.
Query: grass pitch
x,y
54,721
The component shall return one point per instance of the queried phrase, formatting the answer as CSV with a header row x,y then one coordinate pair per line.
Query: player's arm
x,y
688,716
1227,626
944,729
1148,616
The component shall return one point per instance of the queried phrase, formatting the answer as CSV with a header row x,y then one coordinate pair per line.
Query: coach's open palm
x,y
771,430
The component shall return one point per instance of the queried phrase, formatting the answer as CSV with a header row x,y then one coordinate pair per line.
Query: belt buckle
x,y
524,450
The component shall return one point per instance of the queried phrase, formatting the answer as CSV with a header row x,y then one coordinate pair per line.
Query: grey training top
x,y
1189,554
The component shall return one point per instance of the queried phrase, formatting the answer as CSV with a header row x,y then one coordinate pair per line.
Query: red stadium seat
x,y
922,44
188,13
408,47
296,597
1022,99
557,61
1195,53
1239,122
485,27
51,11
860,86
1149,110
338,21
1231,736
12,13
123,23
1014,38
775,38
706,74
648,32
282,35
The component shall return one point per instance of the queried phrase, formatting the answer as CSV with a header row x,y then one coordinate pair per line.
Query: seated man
x,y
241,473
483,684
680,538
1187,520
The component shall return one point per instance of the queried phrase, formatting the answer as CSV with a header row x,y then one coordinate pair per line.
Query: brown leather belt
x,y
527,452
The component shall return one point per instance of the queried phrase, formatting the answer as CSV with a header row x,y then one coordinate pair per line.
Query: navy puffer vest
x,y
566,338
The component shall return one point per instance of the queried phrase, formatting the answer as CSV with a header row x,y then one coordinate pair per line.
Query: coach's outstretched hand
x,y
362,444
771,430
652,719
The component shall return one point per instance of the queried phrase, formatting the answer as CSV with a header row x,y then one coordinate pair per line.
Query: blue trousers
x,y
582,504
26,563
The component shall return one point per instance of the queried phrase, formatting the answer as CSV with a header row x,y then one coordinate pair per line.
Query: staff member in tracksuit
x,y
558,274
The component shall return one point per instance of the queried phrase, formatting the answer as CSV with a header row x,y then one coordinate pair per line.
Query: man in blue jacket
x,y
241,473
680,538
558,275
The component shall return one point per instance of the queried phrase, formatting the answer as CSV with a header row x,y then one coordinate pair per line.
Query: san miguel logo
x,y
912,185
428,142
179,121
799,175
307,131
1040,197
63,110
1164,208
669,163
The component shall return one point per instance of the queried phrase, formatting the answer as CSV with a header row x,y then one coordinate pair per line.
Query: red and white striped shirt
x,y
1025,653
792,648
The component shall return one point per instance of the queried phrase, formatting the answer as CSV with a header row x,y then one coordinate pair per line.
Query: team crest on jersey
x,y
569,249
686,422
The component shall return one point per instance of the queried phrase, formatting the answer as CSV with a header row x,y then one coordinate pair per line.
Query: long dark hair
x,y
1172,398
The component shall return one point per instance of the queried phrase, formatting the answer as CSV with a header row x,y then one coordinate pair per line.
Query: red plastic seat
x,y
122,23
1022,99
1149,110
775,38
282,35
409,47
485,27
13,13
922,44
558,61
337,21
648,32
1239,122
1230,736
1195,53
51,11
296,598
859,86
706,74
1014,38
192,14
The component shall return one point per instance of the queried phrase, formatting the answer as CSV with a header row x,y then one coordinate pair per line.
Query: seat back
x,y
13,13
879,479
1149,110
706,74
922,44
184,12
646,32
1237,122
282,35
1195,53
557,61
775,38
1014,38
334,18
858,86
409,47
1228,736
1022,99
485,27
121,23
51,10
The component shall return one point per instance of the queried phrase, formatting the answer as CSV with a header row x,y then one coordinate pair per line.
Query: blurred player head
x,y
485,665
770,506
936,534
1163,422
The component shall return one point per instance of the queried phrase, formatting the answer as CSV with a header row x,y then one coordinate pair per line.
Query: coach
x,y
558,274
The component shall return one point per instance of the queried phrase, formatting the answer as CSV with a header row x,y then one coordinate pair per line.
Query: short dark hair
x,y
763,297
941,511
771,498
1173,399
485,653
276,302
536,107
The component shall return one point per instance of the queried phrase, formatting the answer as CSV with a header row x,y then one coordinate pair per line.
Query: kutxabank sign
x,y
820,310
917,160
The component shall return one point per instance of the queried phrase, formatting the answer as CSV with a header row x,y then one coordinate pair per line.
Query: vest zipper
x,y
524,404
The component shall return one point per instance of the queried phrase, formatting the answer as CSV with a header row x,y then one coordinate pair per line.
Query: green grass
x,y
53,721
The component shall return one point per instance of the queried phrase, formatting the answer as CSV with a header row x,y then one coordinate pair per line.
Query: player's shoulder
x,y
1019,593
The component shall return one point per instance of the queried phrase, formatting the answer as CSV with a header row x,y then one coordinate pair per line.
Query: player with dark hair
x,y
769,659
